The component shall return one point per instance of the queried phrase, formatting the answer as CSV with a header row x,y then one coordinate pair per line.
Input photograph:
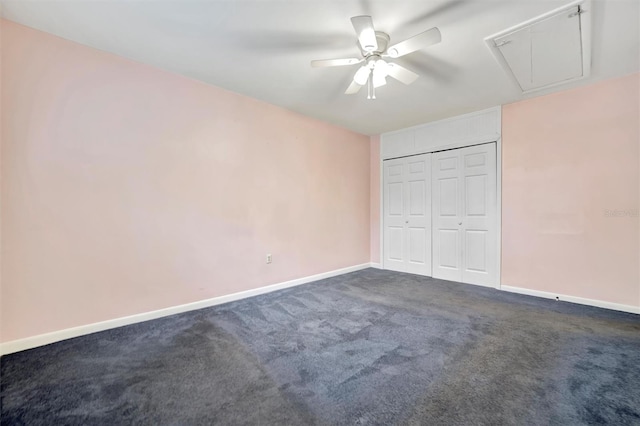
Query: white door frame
x,y
451,145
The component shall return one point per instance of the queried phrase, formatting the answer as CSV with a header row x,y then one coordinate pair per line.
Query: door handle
x,y
459,223
406,221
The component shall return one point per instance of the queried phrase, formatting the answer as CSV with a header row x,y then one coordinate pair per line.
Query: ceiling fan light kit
x,y
374,46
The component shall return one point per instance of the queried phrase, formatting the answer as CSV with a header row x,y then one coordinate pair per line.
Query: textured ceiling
x,y
262,49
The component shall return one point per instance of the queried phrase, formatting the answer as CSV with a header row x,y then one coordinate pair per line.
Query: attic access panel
x,y
546,51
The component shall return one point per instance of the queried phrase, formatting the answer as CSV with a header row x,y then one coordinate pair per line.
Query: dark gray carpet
x,y
371,347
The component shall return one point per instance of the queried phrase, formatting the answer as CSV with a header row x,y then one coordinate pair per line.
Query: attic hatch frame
x,y
584,14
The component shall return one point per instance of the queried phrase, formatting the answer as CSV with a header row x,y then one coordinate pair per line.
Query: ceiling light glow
x,y
362,75
379,79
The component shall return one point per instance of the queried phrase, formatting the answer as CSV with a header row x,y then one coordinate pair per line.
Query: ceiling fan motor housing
x,y
383,42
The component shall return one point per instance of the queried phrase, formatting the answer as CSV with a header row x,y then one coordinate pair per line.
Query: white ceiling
x,y
262,48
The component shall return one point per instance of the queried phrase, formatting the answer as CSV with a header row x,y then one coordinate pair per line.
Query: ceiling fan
x,y
374,46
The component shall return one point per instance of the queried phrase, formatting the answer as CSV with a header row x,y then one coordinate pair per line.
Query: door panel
x,y
475,195
407,214
465,215
418,219
448,162
416,165
448,193
417,245
395,243
447,210
476,249
480,249
394,212
417,200
395,199
475,160
449,253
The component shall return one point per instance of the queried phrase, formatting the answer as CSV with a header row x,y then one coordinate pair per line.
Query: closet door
x,y
418,214
394,237
465,215
447,216
479,215
407,214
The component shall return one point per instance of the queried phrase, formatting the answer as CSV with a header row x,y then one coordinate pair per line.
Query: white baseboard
x,y
56,336
573,299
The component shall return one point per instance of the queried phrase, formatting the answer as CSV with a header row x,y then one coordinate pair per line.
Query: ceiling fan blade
x,y
353,88
366,32
414,43
401,73
335,62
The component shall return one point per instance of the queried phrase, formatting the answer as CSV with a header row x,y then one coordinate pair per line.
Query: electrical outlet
x,y
269,258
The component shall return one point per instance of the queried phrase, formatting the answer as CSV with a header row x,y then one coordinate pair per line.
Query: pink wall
x,y
375,198
128,189
569,160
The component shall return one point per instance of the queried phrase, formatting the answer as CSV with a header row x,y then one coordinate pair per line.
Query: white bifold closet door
x,y
407,214
465,215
